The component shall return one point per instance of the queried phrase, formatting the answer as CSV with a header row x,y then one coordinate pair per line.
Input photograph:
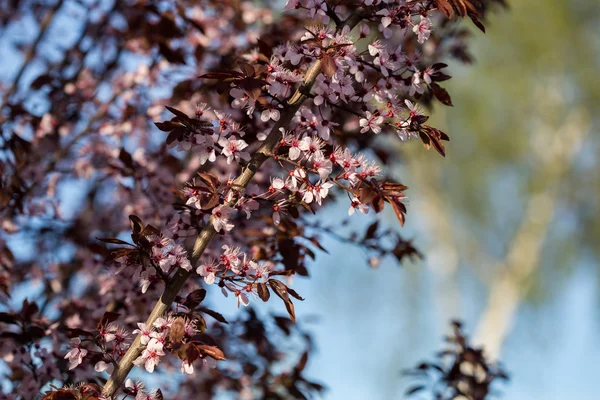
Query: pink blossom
x,y
270,114
76,354
187,367
149,358
357,205
317,192
247,205
325,127
322,165
278,184
231,258
162,323
163,259
423,29
225,122
282,80
296,178
232,149
184,263
278,209
371,122
102,366
241,100
311,145
294,143
136,389
146,279
262,270
157,340
207,151
145,331
108,332
242,298
375,47
208,271
220,218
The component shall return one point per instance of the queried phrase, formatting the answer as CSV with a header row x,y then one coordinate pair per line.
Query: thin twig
x,y
334,17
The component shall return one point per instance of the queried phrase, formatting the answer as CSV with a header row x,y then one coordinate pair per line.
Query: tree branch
x,y
265,151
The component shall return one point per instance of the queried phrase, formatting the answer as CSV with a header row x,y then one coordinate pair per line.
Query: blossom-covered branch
x,y
271,118
202,241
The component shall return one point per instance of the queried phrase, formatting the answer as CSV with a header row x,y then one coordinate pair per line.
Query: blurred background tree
x,y
508,221
520,189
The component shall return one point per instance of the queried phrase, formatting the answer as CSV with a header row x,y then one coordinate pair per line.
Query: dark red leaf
x,y
194,298
301,363
34,333
477,22
399,210
328,65
76,332
285,324
176,134
377,204
211,351
180,114
177,330
414,390
113,241
371,230
222,75
214,314
192,353
149,230
107,318
28,310
136,223
41,81
294,294
168,126
8,318
445,7
263,291
441,94
314,241
175,56
282,291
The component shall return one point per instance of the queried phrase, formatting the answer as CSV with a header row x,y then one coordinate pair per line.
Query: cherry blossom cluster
x,y
221,215
309,154
157,339
237,273
208,141
165,256
401,13
176,335
402,74
138,391
110,343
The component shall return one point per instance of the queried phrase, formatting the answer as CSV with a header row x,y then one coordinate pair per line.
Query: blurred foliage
x,y
534,83
460,371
